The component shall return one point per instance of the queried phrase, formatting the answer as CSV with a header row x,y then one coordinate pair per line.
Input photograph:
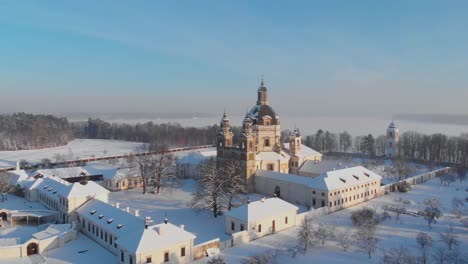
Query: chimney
x,y
182,227
127,209
248,201
137,212
117,205
262,200
18,165
147,221
166,220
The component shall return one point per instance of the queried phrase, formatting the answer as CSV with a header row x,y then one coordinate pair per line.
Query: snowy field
x,y
391,234
174,204
78,148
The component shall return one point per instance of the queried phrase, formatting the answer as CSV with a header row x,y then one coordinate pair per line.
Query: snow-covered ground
x,y
391,234
78,148
174,204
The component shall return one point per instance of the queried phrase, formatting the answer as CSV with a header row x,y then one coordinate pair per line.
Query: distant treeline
x,y
171,134
412,145
21,131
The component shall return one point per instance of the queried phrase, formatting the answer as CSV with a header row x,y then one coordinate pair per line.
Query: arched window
x,y
267,142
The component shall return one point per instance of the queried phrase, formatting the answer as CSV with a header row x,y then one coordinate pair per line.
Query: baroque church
x,y
259,146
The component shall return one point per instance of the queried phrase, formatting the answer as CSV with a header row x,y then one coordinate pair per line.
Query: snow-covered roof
x,y
52,230
196,158
55,187
19,177
271,155
130,229
305,152
320,167
331,180
261,209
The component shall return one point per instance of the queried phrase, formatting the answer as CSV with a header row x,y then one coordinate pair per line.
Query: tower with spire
x,y
391,145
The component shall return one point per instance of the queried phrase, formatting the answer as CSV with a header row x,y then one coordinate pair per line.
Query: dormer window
x,y
92,212
119,226
343,180
101,216
356,177
367,174
110,220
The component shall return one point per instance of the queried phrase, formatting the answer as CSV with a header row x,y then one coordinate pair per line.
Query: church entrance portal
x,y
32,249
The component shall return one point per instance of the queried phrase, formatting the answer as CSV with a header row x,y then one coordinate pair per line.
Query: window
x,y
267,142
259,228
105,237
334,203
313,192
242,227
122,256
130,259
110,240
331,204
233,226
166,256
286,220
182,252
323,194
313,201
84,224
270,167
148,260
102,236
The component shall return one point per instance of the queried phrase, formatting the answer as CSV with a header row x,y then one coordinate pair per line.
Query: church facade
x,y
259,145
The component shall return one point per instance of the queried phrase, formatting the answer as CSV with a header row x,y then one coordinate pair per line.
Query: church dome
x,y
260,112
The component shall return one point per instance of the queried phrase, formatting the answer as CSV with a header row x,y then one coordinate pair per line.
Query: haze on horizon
x,y
330,57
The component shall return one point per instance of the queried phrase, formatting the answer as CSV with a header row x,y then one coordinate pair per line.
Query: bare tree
x,y
234,183
345,141
345,240
401,168
324,232
367,240
210,189
432,212
265,258
162,167
424,240
143,163
462,172
398,256
305,235
6,185
449,237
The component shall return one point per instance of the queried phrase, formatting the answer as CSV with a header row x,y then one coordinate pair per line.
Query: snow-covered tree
x,y
432,212
305,235
367,239
209,194
399,255
345,240
324,232
217,260
234,183
162,167
424,240
5,185
449,237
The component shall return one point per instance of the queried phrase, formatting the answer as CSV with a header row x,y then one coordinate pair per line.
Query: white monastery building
x,y
336,189
132,238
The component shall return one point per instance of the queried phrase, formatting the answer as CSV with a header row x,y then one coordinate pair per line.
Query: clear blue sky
x,y
338,57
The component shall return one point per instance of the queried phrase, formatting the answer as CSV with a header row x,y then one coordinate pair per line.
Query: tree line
x,y
412,145
171,134
20,131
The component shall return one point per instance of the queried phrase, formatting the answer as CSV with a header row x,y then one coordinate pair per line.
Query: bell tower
x,y
295,142
225,135
391,146
262,94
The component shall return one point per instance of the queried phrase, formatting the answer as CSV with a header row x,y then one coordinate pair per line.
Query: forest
x,y
20,131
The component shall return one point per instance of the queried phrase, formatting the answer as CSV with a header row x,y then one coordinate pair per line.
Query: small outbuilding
x,y
261,218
